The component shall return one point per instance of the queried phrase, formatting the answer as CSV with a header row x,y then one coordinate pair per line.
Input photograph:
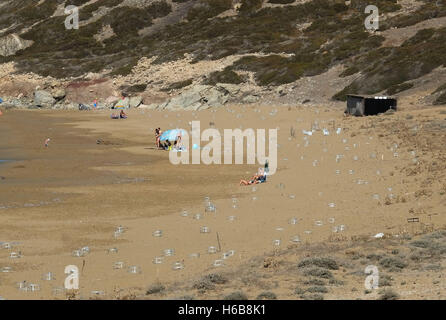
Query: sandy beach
x,y
370,178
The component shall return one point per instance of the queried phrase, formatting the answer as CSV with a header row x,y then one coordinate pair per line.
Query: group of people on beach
x,y
167,145
257,178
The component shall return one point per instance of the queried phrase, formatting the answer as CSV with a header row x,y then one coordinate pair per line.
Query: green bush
x,y
250,6
206,9
225,76
428,10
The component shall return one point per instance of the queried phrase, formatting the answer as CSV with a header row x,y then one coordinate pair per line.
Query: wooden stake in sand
x,y
218,240
83,265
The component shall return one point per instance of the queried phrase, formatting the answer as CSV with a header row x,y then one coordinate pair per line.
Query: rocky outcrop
x,y
151,106
43,99
16,103
198,97
59,94
251,98
134,102
12,43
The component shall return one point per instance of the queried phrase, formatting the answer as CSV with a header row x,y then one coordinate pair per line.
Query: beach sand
x,y
75,193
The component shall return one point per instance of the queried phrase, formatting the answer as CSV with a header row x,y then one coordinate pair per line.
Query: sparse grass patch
x,y
216,278
388,294
419,256
385,280
336,282
317,282
421,243
399,88
299,291
203,285
155,288
433,267
321,262
436,235
318,273
186,297
317,289
267,295
374,256
315,296
209,281
393,263
236,295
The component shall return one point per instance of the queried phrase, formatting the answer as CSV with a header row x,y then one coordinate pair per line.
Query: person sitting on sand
x,y
123,115
178,144
257,178
158,133
114,116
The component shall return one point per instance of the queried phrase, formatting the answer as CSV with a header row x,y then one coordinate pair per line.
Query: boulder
x,y
135,101
215,96
43,99
59,94
197,98
233,89
250,98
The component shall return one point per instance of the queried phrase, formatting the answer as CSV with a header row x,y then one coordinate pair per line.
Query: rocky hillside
x,y
296,51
